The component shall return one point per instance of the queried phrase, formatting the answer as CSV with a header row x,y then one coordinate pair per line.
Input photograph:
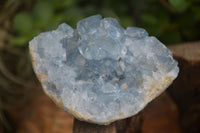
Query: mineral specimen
x,y
101,72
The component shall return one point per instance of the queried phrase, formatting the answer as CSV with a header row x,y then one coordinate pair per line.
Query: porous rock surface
x,y
101,72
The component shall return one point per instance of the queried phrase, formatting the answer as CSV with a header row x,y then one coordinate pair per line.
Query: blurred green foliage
x,y
179,5
172,21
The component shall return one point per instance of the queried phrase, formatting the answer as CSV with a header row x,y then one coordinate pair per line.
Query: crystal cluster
x,y
101,72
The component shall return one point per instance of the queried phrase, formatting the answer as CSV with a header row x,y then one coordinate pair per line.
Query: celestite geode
x,y
101,72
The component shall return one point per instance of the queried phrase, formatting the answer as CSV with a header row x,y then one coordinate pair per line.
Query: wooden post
x,y
185,90
84,127
129,125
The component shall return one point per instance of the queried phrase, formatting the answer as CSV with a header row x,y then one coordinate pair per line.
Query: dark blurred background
x,y
171,21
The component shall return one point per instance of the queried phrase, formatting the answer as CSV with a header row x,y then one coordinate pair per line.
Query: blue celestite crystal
x,y
101,72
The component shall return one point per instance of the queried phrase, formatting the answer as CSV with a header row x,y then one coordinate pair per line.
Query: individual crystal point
x,y
101,72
